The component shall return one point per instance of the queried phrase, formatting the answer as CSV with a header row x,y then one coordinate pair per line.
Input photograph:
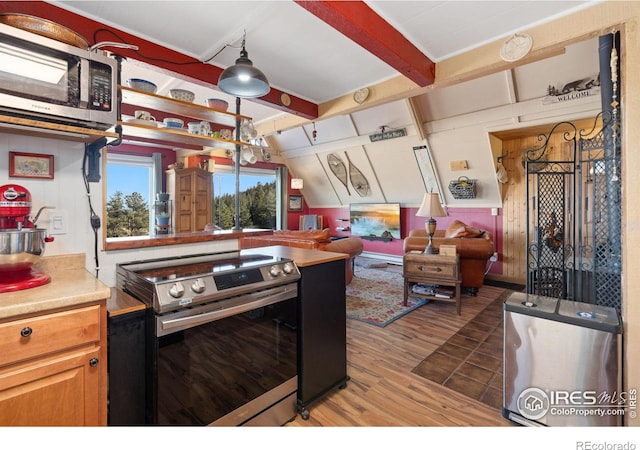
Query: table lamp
x,y
430,208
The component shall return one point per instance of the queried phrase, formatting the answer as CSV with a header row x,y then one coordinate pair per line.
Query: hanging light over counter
x,y
243,79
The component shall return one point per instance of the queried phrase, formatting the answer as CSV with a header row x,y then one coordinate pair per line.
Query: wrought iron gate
x,y
574,216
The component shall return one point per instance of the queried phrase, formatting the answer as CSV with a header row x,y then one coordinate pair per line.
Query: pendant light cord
x,y
151,58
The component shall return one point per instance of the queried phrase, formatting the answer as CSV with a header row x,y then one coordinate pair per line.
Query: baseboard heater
x,y
391,259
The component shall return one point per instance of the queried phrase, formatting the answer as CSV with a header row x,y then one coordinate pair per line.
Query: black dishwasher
x,y
322,334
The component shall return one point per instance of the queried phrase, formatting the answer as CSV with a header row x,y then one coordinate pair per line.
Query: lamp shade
x,y
243,80
430,206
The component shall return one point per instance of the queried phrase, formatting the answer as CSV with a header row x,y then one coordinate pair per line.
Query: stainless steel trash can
x,y
562,362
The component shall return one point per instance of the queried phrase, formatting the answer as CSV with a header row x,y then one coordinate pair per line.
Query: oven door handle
x,y
166,325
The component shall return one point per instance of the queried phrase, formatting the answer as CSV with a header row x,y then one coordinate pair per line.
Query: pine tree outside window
x,y
258,205
129,195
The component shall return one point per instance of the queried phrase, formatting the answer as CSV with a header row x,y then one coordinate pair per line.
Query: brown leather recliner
x,y
474,246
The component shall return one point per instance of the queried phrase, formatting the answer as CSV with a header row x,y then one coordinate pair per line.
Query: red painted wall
x,y
477,217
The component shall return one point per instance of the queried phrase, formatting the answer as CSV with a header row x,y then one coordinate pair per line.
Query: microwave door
x,y
24,63
38,80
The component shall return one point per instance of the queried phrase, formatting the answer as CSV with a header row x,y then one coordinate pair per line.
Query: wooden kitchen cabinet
x,y
192,192
53,368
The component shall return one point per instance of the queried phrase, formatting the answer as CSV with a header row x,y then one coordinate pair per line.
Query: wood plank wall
x,y
514,201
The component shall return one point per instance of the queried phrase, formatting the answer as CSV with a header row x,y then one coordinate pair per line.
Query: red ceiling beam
x,y
364,26
148,52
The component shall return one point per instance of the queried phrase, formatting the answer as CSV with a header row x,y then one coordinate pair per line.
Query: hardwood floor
x,y
383,391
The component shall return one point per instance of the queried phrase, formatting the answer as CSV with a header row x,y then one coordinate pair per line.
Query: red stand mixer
x,y
21,243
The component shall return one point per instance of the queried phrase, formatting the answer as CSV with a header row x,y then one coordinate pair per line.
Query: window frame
x,y
145,161
244,170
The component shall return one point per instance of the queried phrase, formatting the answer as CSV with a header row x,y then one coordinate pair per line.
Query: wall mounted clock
x,y
285,99
516,47
360,95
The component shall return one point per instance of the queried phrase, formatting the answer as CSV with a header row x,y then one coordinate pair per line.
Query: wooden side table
x,y
437,270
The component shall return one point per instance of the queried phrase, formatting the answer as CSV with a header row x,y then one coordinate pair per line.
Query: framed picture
x,y
30,165
295,203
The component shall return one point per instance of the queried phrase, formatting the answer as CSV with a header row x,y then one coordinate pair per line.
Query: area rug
x,y
470,362
377,296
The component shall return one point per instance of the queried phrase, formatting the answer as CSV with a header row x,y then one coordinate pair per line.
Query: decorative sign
x,y
570,96
391,134
585,87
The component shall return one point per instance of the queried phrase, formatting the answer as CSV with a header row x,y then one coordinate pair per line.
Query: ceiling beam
x,y
357,21
150,53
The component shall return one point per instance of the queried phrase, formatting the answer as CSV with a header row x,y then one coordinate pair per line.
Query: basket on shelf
x,y
463,188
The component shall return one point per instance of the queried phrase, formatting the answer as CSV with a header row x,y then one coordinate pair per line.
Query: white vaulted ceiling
x,y
303,55
306,57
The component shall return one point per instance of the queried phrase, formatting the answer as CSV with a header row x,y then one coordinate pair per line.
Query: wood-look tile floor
x,y
383,390
470,362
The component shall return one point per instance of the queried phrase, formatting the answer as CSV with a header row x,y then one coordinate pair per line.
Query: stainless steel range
x,y
222,337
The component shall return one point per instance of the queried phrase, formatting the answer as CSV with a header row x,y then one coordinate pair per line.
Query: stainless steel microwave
x,y
48,80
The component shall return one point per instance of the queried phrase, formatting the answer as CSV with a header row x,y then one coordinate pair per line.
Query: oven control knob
x,y
177,290
198,286
274,271
288,268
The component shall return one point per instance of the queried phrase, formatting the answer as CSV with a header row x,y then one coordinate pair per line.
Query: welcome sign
x,y
391,134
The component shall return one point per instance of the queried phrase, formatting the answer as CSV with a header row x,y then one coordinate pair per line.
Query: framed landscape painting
x,y
30,165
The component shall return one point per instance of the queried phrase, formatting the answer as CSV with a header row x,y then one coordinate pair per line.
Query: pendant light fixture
x,y
243,79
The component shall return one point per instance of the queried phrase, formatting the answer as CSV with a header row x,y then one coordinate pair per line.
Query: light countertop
x,y
301,256
71,285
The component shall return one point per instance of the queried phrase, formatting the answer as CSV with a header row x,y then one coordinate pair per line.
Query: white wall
x,y
67,192
466,137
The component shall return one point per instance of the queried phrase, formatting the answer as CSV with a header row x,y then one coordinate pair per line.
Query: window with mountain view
x,y
129,188
131,192
257,198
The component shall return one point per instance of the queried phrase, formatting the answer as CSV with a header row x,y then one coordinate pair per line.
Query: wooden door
x,y
202,211
59,390
193,198
184,201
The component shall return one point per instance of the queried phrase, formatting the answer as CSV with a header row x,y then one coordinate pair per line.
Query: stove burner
x,y
198,269
170,284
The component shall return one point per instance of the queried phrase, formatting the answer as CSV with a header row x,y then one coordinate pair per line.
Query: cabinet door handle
x,y
26,332
94,362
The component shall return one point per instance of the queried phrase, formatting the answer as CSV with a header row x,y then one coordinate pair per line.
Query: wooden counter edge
x,y
122,303
180,238
303,257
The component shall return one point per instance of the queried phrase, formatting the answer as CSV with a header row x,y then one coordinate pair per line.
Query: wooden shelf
x,y
158,102
32,127
137,132
133,131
